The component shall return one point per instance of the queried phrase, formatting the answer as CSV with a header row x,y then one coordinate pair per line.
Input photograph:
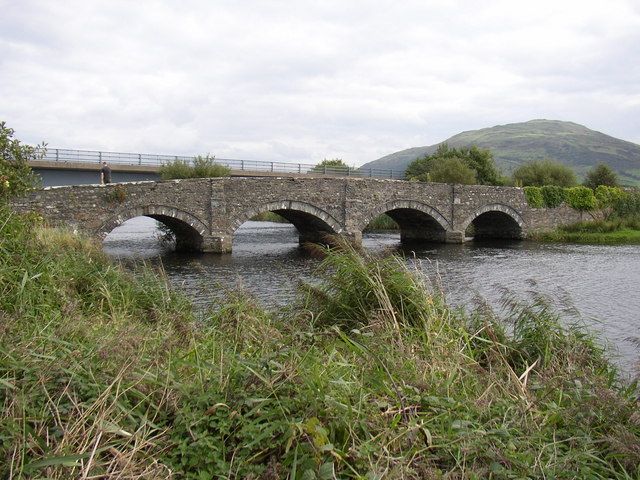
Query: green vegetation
x,y
517,143
335,165
269,217
615,216
201,167
614,231
369,375
534,197
601,174
452,165
544,172
16,177
381,222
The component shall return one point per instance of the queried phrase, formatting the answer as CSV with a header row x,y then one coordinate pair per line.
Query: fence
x,y
90,156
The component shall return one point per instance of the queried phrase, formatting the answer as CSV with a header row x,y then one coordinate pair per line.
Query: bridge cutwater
x,y
204,213
61,166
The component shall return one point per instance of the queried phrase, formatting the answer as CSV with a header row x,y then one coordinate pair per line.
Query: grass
x,y
382,222
368,374
615,231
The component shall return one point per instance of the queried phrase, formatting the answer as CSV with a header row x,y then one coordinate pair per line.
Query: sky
x,y
301,81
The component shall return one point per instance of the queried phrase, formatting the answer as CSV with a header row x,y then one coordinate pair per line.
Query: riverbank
x,y
369,374
620,231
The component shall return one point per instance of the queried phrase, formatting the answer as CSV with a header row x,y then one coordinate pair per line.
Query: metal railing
x,y
144,159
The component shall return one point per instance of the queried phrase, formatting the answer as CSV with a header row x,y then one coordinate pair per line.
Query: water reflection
x,y
603,282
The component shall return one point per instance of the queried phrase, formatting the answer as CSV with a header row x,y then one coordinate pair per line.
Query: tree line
x,y
476,166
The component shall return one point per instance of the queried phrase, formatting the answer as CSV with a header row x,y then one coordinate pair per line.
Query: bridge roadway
x,y
205,213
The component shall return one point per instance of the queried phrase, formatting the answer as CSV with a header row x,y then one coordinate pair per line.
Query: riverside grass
x,y
369,374
612,231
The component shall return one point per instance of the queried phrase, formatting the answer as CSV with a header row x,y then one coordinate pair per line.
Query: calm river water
x,y
601,282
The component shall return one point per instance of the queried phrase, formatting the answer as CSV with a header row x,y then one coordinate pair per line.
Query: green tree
x,y
601,174
479,161
453,170
544,172
16,177
334,165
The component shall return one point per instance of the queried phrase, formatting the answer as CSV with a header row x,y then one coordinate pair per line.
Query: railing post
x,y
325,169
272,166
139,159
57,155
242,165
371,173
299,168
99,157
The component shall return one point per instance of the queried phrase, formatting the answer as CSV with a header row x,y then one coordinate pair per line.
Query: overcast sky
x,y
301,81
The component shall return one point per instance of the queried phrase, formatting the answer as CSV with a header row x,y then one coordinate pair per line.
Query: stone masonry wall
x,y
212,209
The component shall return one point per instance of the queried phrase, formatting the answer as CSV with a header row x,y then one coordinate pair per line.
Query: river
x,y
599,283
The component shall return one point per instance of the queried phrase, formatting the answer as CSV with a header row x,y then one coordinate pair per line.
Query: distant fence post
x,y
99,157
139,159
57,155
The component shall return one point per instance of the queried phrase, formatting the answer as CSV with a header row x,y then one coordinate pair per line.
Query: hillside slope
x,y
513,144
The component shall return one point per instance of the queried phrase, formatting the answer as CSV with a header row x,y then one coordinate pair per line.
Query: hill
x,y
516,143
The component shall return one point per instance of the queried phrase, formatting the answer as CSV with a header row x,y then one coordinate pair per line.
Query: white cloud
x,y
302,81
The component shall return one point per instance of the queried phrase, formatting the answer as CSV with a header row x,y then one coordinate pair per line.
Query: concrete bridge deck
x,y
205,213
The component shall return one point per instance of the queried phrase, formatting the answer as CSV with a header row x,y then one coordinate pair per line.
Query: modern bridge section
x,y
205,213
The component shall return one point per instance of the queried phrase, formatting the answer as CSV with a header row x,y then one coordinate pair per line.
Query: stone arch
x,y
495,220
311,222
418,221
188,229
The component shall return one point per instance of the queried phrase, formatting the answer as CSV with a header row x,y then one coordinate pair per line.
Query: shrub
x,y
581,198
534,197
601,174
545,172
16,177
552,195
202,167
627,205
205,167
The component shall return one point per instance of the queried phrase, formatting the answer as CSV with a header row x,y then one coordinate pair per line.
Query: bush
x,y
201,167
453,170
438,167
581,198
601,174
534,197
16,177
544,172
552,195
628,205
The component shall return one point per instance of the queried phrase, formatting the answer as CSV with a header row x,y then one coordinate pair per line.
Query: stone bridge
x,y
205,213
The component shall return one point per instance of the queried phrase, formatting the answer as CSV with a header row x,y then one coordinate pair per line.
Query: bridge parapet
x,y
205,213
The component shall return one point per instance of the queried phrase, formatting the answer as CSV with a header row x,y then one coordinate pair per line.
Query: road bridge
x,y
205,213
59,166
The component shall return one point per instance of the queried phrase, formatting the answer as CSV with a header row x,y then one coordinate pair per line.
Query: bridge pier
x,y
216,243
454,236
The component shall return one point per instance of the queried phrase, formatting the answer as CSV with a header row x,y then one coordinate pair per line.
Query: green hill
x,y
517,143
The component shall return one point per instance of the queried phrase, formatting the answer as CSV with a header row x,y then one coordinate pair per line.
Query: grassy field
x,y
368,374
